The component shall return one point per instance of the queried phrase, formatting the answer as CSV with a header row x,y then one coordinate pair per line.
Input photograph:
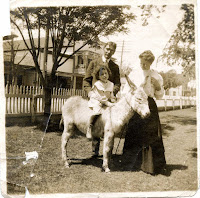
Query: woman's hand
x,y
155,84
113,100
109,104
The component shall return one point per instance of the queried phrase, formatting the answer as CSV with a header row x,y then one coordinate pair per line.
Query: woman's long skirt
x,y
143,141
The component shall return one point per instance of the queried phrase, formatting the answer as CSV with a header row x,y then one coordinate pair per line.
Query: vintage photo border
x,y
5,8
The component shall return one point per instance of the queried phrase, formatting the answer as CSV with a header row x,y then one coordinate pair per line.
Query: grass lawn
x,y
48,175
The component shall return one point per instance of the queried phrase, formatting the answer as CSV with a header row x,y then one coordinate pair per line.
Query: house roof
x,y
28,60
22,51
19,45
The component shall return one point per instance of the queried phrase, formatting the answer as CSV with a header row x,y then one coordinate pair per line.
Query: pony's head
x,y
137,99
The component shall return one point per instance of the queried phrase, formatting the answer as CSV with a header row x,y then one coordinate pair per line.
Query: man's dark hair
x,y
114,45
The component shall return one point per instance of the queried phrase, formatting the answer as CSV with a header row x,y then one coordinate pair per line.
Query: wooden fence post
x,y
165,105
181,105
173,103
33,108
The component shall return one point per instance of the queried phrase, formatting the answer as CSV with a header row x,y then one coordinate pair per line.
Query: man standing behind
x,y
108,50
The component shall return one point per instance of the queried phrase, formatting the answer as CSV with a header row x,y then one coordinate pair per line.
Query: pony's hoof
x,y
106,170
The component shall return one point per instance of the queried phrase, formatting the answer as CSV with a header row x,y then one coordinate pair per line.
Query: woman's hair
x,y
147,56
99,69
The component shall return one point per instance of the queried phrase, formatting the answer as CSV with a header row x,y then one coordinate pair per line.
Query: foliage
x,y
66,26
148,10
172,79
180,49
181,46
74,23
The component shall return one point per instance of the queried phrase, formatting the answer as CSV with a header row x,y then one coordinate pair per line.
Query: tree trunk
x,y
47,102
47,107
48,88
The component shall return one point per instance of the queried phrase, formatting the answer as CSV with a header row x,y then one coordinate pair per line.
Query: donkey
x,y
75,112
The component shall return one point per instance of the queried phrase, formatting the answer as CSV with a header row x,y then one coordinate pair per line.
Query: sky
x,y
152,37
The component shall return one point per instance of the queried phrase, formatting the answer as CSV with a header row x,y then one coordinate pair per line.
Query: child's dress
x,y
101,94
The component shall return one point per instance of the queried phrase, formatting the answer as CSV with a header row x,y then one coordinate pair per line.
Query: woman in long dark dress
x,y
143,146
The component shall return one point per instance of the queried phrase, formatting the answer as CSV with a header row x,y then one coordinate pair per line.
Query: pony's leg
x,y
67,133
107,149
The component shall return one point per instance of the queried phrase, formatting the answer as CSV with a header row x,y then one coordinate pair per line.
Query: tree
x,y
180,49
181,46
147,11
172,79
73,23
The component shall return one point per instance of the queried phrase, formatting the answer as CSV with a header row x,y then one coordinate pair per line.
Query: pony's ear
x,y
131,84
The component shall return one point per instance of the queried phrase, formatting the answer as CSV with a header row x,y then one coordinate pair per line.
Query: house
x,y
177,91
19,67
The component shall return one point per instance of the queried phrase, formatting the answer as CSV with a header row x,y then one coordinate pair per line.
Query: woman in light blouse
x,y
143,147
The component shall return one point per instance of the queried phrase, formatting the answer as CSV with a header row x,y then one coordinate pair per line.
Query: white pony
x,y
76,112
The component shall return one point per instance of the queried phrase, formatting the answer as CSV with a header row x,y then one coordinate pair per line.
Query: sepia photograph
x,y
99,99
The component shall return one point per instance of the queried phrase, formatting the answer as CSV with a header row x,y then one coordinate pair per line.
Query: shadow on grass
x,y
117,165
166,128
169,168
97,162
193,152
182,120
124,166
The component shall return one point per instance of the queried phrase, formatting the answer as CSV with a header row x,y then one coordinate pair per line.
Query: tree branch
x,y
61,42
73,53
30,34
39,25
33,52
22,37
22,58
62,55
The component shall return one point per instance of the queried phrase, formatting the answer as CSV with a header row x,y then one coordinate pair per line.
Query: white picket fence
x,y
176,102
27,100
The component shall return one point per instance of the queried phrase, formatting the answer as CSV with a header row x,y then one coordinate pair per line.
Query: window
x,y
80,60
19,80
89,60
64,82
79,82
8,79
